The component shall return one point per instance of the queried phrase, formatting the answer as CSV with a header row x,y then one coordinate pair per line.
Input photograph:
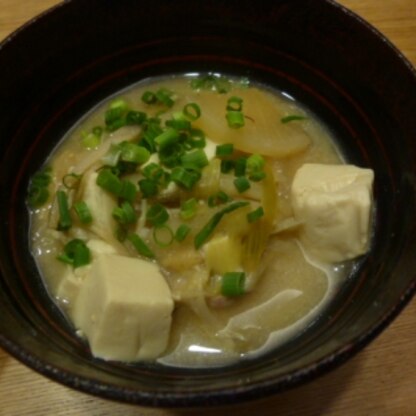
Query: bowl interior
x,y
320,54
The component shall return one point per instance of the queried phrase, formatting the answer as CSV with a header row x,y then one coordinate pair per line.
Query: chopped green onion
x,y
76,253
226,149
232,284
131,152
38,192
197,138
240,166
90,140
178,124
254,166
211,82
157,215
141,247
235,104
219,198
293,117
188,209
135,118
182,232
167,138
37,196
125,213
71,180
196,160
235,119
255,215
163,235
192,111
65,221
149,97
164,96
108,181
242,184
148,187
185,178
209,227
83,212
120,104
153,171
98,131
227,165
127,191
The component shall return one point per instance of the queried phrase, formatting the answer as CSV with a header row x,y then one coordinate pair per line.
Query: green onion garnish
x,y
83,212
254,167
125,213
226,149
140,246
197,138
149,97
148,187
293,117
188,209
182,232
197,159
135,118
164,96
192,111
235,104
235,119
90,140
65,221
131,152
108,181
185,178
163,235
211,82
255,215
209,227
166,139
112,156
157,215
98,131
240,166
71,180
76,253
242,184
232,284
38,192
227,165
127,191
219,198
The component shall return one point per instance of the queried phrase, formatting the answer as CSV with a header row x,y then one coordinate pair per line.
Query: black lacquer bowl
x,y
61,64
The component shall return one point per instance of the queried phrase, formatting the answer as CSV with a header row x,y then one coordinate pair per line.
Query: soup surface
x,y
196,220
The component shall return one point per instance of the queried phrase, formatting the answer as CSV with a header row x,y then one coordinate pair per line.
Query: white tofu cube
x,y
124,308
334,204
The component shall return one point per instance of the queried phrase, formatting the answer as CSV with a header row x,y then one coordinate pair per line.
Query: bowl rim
x,y
226,396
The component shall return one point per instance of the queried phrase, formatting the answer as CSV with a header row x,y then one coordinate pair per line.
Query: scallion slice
x,y
149,97
219,198
133,153
192,111
71,180
135,118
141,247
148,187
83,212
125,214
235,104
240,166
255,215
166,139
293,117
76,253
184,177
226,149
196,160
164,96
38,192
242,184
157,215
235,119
188,209
128,191
65,221
182,232
108,181
163,235
232,284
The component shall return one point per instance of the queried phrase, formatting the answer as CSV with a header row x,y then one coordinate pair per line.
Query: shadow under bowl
x,y
60,65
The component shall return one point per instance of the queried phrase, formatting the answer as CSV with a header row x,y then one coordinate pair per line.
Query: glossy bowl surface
x,y
61,64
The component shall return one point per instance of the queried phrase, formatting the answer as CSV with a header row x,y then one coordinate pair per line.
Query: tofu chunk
x,y
334,204
124,308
